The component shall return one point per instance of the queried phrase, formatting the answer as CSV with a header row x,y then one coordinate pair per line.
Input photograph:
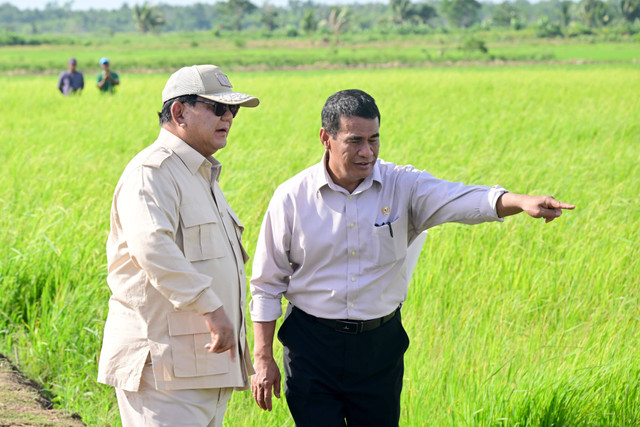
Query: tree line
x,y
300,18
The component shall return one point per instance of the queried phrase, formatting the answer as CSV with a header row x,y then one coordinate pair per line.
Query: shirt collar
x,y
189,156
322,177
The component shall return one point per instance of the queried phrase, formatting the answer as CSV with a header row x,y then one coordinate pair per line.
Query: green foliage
x,y
269,17
546,29
237,9
337,22
423,13
461,13
577,29
472,43
406,12
239,42
402,10
292,31
147,18
370,20
595,13
565,11
504,14
309,23
630,9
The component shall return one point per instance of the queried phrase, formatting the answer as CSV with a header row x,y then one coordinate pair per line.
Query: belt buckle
x,y
347,327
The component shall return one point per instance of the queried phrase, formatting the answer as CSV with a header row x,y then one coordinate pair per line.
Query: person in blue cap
x,y
107,80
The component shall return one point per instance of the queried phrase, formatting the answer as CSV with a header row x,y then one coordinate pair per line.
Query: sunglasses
x,y
220,109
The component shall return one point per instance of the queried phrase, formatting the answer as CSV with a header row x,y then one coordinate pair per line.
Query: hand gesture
x,y
544,207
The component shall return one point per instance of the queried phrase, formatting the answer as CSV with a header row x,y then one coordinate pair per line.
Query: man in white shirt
x,y
334,243
175,338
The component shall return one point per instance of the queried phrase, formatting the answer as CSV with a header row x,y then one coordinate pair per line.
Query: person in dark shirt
x,y
71,81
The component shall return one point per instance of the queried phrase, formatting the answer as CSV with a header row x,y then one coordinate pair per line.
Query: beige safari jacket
x,y
174,253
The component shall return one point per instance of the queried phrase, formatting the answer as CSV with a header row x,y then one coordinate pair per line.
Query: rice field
x,y
514,324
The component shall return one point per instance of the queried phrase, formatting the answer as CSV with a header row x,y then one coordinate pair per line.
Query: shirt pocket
x,y
203,236
389,243
188,334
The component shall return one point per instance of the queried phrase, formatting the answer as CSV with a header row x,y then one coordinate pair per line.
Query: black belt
x,y
352,326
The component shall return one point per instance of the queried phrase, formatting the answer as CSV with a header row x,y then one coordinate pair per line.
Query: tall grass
x,y
521,323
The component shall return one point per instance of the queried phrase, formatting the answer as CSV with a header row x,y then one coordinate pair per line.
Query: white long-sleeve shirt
x,y
338,255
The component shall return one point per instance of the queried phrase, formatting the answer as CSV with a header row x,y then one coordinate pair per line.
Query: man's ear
x,y
177,113
325,138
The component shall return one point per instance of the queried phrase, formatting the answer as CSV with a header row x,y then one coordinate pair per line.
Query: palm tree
x,y
630,10
337,21
147,17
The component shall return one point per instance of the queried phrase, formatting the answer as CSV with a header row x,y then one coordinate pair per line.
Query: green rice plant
x,y
521,323
169,53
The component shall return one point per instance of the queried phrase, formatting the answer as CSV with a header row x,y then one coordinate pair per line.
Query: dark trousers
x,y
337,379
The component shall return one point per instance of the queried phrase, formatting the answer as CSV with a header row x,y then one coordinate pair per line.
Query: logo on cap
x,y
224,80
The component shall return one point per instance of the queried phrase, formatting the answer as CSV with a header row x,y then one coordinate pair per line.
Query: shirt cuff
x,y
265,309
207,302
494,194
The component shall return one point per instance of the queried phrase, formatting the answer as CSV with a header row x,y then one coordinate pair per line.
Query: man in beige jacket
x,y
174,340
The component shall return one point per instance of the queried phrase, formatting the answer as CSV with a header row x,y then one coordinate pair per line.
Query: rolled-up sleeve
x,y
271,265
148,212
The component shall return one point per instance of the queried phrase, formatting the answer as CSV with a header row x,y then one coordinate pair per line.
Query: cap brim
x,y
233,98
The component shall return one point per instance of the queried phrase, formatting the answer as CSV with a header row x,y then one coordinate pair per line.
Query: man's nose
x,y
365,150
227,116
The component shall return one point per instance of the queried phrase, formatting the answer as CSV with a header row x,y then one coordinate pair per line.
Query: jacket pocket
x,y
188,334
203,236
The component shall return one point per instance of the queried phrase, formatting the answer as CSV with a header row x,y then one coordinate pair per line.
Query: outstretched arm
x,y
536,206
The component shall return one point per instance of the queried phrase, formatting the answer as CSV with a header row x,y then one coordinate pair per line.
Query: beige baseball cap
x,y
207,81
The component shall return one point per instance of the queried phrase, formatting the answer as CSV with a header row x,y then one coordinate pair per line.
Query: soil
x,y
22,402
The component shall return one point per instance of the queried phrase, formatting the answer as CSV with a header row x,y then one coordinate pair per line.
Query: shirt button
x,y
351,306
350,197
352,225
353,252
353,279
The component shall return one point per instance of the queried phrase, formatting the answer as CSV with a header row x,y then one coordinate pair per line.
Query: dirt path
x,y
23,404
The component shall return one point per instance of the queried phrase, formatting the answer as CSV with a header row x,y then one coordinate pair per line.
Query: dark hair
x,y
347,103
165,114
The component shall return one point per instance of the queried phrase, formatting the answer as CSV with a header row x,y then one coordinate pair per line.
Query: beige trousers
x,y
149,407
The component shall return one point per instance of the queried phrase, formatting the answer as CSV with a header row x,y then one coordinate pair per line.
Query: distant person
x,y
334,242
107,80
71,81
175,338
